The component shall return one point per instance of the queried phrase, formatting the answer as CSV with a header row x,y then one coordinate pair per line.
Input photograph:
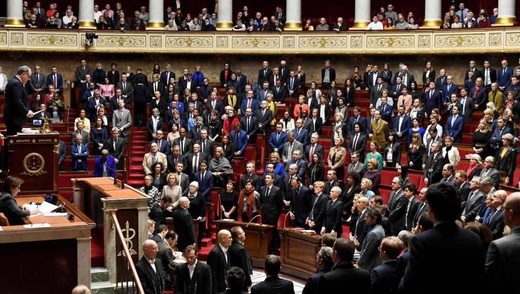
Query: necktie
x,y
267,191
114,145
55,81
406,215
453,120
204,144
311,152
431,93
196,163
182,145
249,102
356,137
400,123
124,86
202,177
292,83
247,124
79,148
277,137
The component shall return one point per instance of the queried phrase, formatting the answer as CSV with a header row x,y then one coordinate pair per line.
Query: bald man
x,y
150,269
218,261
503,256
81,289
183,224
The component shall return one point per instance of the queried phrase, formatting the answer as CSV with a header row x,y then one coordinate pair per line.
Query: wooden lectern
x,y
34,158
298,252
258,238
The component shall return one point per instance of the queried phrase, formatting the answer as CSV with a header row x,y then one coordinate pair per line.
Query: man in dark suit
x,y
218,261
503,255
300,133
401,124
55,79
16,110
466,105
333,213
314,123
238,255
444,249
504,75
150,269
280,92
235,281
455,125
239,139
385,277
319,200
376,90
192,277
433,165
250,175
344,273
474,200
184,179
249,125
183,224
264,117
313,148
156,85
293,84
277,139
165,254
489,74
38,81
205,179
324,265
184,142
193,159
328,74
398,206
127,89
448,88
272,283
357,118
432,98
271,200
79,153
265,74
115,146
300,200
166,75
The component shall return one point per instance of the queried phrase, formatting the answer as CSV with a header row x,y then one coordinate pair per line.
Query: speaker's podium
x,y
258,238
34,158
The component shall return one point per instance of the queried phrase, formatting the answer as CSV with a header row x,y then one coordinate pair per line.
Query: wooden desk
x,y
258,237
54,258
298,252
100,197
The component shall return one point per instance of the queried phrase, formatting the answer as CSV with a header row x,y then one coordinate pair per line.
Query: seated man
x,y
79,153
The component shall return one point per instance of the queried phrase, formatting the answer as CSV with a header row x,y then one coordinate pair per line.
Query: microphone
x,y
253,218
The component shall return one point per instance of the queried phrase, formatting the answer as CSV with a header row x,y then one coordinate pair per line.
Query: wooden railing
x,y
126,266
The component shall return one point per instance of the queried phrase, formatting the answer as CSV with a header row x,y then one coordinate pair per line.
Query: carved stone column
x,y
294,15
432,14
156,8
86,15
225,15
14,14
506,13
361,15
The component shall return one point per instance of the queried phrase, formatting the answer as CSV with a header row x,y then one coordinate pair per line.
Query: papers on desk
x,y
28,131
44,208
42,225
1,228
61,214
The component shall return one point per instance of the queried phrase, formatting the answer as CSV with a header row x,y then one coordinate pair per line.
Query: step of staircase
x,y
100,281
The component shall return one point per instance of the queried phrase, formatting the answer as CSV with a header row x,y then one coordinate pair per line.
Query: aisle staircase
x,y
138,144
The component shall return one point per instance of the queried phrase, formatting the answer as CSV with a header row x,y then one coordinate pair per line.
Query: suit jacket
x,y
255,105
152,281
313,127
264,76
317,213
16,104
435,101
264,118
251,129
369,255
473,205
398,214
405,126
164,77
273,285
433,170
277,142
380,132
188,163
38,81
507,164
205,184
122,120
186,147
361,120
385,277
296,145
454,127
447,90
271,204
318,149
59,82
238,256
126,91
183,225
333,213
301,136
200,283
504,77
152,129
332,74
344,273
218,265
148,162
443,250
467,109
496,223
503,262
301,201
493,173
241,143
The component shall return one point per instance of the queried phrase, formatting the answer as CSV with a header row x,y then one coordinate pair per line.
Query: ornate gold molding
x,y
505,21
293,27
457,41
14,23
359,25
431,24
155,26
224,26
87,25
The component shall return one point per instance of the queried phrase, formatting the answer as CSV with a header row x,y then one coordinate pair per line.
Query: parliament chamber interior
x,y
220,146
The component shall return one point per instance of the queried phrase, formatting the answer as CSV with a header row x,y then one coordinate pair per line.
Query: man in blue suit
x,y
386,109
249,102
249,123
300,133
448,88
504,75
239,139
455,124
401,124
357,118
205,179
105,165
79,153
278,139
432,98
55,79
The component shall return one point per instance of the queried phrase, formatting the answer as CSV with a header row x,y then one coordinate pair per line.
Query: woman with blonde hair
x,y
481,137
336,158
450,152
271,105
374,154
172,188
373,174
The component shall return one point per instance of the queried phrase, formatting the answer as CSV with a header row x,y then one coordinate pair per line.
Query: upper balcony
x,y
437,42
